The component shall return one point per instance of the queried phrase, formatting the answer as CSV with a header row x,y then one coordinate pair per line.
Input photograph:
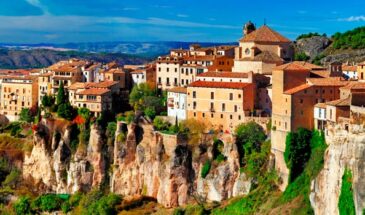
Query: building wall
x,y
177,105
97,105
16,96
361,72
227,118
167,74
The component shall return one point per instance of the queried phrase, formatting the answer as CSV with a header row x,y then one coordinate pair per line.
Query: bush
x,y
26,115
47,202
160,124
353,39
22,206
346,204
66,111
105,205
301,57
206,168
150,112
309,35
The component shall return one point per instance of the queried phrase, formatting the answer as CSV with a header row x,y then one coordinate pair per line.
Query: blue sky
x,y
61,21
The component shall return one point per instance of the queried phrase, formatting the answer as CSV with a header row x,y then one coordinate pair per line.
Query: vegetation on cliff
x,y
346,204
354,39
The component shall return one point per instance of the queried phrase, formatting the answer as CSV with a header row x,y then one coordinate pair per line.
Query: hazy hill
x,y
35,58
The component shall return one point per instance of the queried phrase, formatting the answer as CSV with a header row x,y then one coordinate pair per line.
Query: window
x,y
235,108
239,96
159,80
230,116
182,81
301,101
239,117
194,114
211,106
168,69
194,105
203,115
223,107
247,51
212,115
168,81
231,96
211,95
175,81
159,69
175,69
221,116
194,94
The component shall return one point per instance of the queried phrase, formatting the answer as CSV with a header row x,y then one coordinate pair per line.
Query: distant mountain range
x,y
144,49
14,56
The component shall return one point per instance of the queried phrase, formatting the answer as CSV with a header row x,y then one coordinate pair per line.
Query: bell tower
x,y
248,28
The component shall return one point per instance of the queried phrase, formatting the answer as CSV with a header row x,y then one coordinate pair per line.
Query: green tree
x,y
301,57
297,151
61,94
150,112
26,115
138,95
66,111
160,124
47,101
249,137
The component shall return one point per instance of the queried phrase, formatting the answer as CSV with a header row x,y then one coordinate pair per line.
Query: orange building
x,y
295,94
223,104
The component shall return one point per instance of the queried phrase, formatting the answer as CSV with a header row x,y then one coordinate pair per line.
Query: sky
x,y
63,21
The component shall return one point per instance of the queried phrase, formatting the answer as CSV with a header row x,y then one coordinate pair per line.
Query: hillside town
x,y
222,86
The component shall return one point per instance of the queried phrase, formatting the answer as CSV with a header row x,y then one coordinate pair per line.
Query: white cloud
x,y
130,8
182,15
352,19
38,4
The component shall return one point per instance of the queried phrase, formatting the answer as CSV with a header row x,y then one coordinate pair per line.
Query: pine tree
x,y
61,96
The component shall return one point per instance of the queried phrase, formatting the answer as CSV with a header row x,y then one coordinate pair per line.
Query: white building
x,y
350,72
177,103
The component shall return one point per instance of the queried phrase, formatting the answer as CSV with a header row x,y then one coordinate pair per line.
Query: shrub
x,y
22,206
129,116
65,111
309,35
346,204
160,124
12,179
301,57
47,202
206,168
26,115
105,205
150,112
220,158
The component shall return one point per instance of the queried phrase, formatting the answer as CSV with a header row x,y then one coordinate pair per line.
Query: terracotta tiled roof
x,y
94,91
178,90
211,84
264,34
78,85
104,84
321,73
114,70
224,74
339,102
297,89
265,56
349,68
324,82
299,66
320,105
354,85
199,58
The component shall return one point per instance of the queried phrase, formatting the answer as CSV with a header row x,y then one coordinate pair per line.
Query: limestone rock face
x,y
52,164
312,46
345,150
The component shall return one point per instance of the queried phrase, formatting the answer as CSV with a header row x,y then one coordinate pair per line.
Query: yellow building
x,y
18,93
223,105
261,50
44,86
361,71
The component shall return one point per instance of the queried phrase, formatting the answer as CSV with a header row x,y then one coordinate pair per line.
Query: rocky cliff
x,y
346,150
142,162
52,166
312,46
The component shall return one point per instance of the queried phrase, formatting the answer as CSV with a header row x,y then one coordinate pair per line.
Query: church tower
x,y
248,28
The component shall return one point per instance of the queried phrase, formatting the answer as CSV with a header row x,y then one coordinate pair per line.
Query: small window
x,y
211,95
231,96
